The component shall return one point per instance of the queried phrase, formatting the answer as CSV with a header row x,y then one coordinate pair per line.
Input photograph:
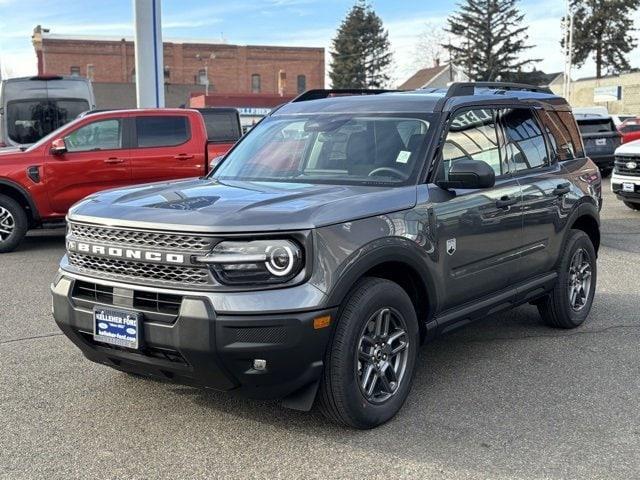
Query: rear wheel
x,y
13,224
370,362
569,303
632,206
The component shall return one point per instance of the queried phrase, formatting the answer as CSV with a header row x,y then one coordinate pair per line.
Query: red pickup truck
x,y
101,150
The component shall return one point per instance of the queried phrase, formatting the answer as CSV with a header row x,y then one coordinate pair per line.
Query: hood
x,y
207,205
631,148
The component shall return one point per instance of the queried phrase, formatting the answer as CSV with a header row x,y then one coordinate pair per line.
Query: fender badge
x,y
451,246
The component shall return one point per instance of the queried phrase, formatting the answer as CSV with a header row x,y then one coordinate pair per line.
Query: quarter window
x,y
525,145
558,136
102,135
161,131
472,136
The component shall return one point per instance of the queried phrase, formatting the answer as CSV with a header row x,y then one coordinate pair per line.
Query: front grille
x,y
157,302
140,238
93,292
621,166
119,269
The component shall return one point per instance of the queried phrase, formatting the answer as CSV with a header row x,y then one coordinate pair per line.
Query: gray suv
x,y
345,230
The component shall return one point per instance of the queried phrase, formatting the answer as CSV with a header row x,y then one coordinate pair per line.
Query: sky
x,y
270,22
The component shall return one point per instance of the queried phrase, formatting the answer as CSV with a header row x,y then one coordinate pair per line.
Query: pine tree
x,y
361,50
491,39
602,28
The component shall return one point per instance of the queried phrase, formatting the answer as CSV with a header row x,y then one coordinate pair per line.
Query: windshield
x,y
30,120
333,148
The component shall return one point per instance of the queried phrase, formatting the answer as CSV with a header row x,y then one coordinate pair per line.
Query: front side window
x,y
525,145
255,83
161,131
472,135
101,135
30,120
333,148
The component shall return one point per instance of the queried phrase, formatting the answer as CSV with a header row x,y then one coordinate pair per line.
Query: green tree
x,y
361,55
602,28
490,39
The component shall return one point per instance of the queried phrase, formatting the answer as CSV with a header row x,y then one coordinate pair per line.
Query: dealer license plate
x,y
628,187
117,327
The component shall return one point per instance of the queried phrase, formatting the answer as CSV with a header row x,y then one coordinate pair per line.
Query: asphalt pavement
x,y
505,398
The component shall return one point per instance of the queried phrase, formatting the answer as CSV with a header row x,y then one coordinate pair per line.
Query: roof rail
x,y
320,93
459,89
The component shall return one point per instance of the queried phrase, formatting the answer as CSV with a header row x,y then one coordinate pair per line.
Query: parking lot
x,y
504,398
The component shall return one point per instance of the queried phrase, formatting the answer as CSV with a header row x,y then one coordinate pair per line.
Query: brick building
x,y
228,68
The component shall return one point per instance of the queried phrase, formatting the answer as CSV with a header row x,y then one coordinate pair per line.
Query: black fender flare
x,y
24,193
397,250
584,209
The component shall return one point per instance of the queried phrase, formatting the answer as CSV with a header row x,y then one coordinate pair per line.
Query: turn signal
x,y
321,322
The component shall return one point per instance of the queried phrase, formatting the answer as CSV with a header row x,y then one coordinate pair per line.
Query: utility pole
x,y
149,54
205,61
568,44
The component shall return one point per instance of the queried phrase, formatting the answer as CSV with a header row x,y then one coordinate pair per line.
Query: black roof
x,y
420,101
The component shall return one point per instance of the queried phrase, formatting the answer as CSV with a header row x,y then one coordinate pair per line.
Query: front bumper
x,y
195,345
616,187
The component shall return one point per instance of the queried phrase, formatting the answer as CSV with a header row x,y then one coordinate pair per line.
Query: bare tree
x,y
429,49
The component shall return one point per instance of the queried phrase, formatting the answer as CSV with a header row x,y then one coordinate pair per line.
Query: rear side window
x,y
558,135
525,145
221,126
569,123
161,131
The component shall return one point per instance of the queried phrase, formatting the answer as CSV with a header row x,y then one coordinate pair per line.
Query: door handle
x,y
562,189
506,201
183,156
114,160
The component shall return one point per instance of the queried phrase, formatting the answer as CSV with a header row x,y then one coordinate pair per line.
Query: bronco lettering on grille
x,y
126,253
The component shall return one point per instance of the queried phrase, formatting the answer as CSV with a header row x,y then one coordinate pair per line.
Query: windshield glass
x,y
30,120
334,148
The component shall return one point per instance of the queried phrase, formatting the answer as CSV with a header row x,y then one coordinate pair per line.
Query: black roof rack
x,y
320,93
460,89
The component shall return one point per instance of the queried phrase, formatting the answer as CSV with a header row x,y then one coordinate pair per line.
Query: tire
x,y
605,172
556,308
13,219
632,206
342,399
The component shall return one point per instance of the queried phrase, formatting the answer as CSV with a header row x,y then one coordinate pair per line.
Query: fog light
x,y
259,364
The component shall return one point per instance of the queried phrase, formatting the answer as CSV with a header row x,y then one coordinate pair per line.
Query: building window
x,y
202,77
255,83
133,76
75,71
91,70
167,74
302,83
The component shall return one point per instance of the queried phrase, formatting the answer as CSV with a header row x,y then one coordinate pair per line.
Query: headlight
x,y
255,262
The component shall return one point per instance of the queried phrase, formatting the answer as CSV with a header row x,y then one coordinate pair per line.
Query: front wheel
x,y
13,224
569,303
370,362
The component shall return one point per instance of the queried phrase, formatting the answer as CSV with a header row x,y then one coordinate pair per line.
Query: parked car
x,y
33,107
98,151
625,181
223,130
337,235
630,130
601,138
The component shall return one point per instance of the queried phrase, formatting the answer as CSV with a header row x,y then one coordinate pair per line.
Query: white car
x,y
625,181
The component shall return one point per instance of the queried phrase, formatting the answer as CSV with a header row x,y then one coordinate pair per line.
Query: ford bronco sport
x,y
344,230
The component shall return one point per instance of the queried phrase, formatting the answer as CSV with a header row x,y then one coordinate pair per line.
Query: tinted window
x,y
525,145
332,148
102,135
472,136
588,127
558,135
161,131
221,126
30,120
570,124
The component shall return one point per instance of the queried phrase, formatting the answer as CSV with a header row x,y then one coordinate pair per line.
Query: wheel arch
x,y
586,218
20,195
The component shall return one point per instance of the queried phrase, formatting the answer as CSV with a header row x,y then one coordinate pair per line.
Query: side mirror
x,y
469,174
58,147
